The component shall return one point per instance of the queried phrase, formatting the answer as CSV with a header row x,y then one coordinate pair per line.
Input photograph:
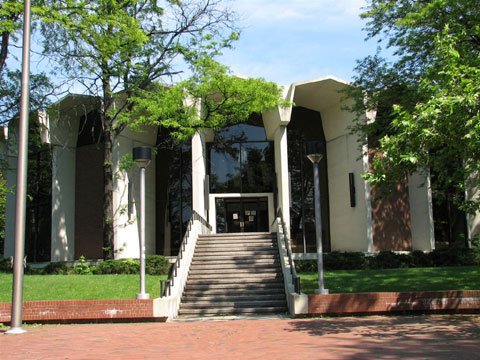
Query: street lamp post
x,y
314,154
142,156
21,192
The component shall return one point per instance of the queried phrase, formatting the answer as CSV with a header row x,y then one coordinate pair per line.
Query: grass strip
x,y
79,287
385,280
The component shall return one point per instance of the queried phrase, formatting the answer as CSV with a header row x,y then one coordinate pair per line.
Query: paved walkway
x,y
375,337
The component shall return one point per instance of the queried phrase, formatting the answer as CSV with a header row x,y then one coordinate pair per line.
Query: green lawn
x,y
85,287
66,287
412,279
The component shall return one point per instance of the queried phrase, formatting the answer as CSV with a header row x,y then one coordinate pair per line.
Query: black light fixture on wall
x,y
351,185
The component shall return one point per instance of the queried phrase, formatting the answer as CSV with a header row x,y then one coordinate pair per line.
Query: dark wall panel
x,y
88,201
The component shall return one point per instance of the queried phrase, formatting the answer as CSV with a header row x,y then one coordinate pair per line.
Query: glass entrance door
x,y
236,215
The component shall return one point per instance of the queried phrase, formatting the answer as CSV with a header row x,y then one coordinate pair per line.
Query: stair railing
x,y
284,240
171,290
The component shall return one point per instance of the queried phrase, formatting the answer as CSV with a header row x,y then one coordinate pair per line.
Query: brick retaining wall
x,y
385,302
82,310
334,304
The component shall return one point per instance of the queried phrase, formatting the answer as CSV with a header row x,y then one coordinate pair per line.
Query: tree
x,y
427,97
127,52
11,21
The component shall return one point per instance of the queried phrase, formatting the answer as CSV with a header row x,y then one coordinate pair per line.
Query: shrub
x,y
420,259
453,257
156,265
5,266
306,265
344,261
388,260
81,267
55,268
123,266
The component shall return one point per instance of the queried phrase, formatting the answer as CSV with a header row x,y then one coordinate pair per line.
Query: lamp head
x,y
313,150
142,156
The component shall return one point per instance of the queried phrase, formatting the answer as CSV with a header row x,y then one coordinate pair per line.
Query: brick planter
x,y
391,302
82,311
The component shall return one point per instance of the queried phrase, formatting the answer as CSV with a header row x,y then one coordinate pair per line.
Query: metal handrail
x,y
166,285
295,278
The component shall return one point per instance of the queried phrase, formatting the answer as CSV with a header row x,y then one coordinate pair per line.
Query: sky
x,y
286,41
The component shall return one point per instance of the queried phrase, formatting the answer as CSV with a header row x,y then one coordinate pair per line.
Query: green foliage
x,y
420,259
56,268
426,98
126,162
3,207
389,260
81,267
347,260
123,266
156,265
11,22
211,99
126,55
5,265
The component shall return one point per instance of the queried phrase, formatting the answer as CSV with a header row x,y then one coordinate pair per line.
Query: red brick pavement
x,y
375,337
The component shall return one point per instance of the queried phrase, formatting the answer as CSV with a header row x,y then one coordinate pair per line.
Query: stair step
x,y
234,274
234,267
232,311
234,288
239,235
237,239
232,296
235,263
234,253
237,248
249,303
237,277
228,283
234,256
237,245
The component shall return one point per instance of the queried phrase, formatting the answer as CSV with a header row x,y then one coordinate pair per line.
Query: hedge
x,y
154,265
336,260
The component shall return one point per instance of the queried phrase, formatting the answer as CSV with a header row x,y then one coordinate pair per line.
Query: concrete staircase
x,y
234,274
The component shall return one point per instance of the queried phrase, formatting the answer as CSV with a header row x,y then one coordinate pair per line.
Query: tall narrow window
x,y
306,125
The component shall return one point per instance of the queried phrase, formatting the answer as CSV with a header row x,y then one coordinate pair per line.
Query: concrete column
x,y
126,196
421,212
63,204
281,166
199,174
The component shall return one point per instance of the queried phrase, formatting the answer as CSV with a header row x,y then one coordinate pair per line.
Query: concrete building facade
x,y
238,179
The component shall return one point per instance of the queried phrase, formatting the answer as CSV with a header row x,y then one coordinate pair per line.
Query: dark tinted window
x,y
241,160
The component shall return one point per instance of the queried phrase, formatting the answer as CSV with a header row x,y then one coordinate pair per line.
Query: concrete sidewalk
x,y
374,337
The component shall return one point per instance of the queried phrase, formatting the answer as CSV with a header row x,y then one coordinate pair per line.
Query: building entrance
x,y
236,215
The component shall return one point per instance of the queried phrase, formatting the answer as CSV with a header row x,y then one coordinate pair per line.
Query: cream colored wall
x,y
281,169
63,138
473,193
348,225
421,213
199,158
126,185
